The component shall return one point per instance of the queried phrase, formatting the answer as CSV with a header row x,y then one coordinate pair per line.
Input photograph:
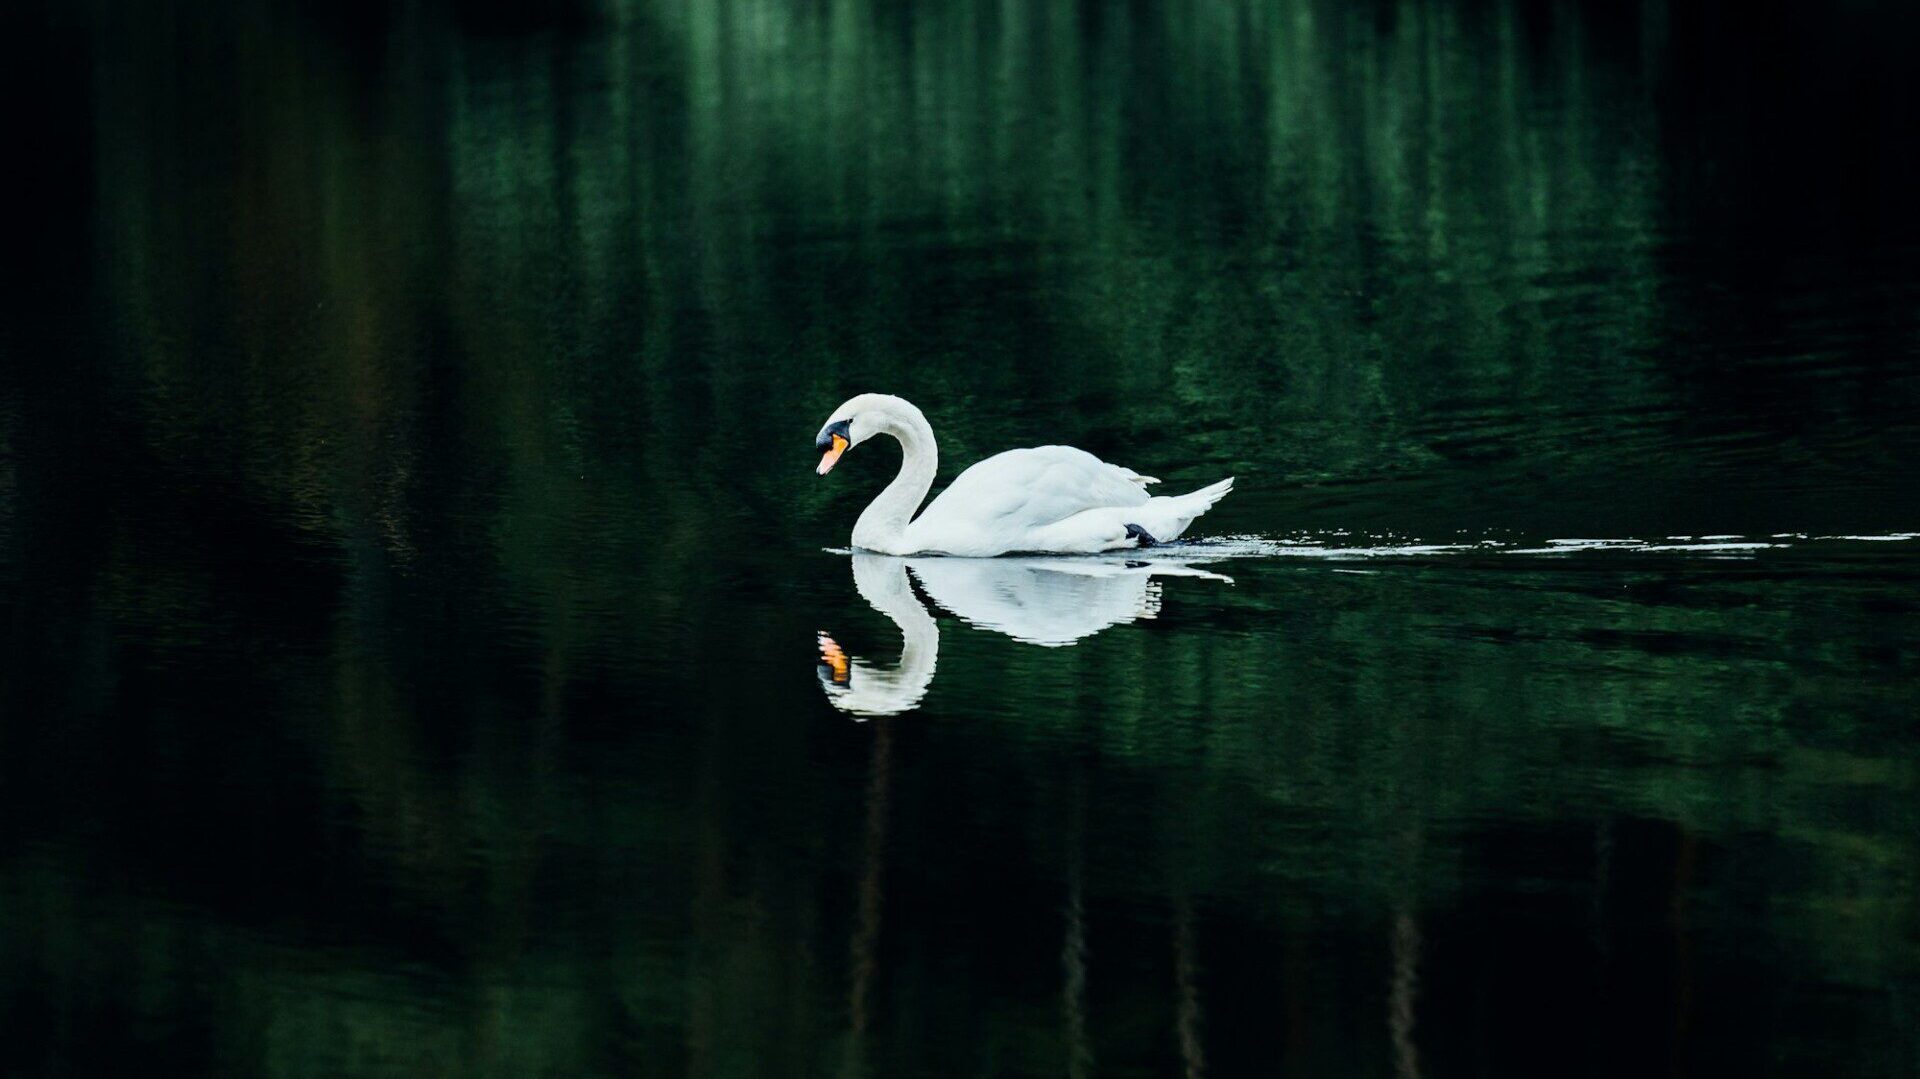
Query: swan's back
x,y
1017,491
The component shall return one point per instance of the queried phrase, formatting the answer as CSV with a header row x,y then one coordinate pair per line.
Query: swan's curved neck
x,y
882,526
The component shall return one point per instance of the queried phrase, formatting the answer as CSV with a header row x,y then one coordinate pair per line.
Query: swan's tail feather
x,y
1205,497
1169,515
1136,477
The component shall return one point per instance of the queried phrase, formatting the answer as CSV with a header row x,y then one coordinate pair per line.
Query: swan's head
x,y
856,420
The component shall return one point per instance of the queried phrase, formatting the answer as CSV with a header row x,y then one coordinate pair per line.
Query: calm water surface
x,y
413,568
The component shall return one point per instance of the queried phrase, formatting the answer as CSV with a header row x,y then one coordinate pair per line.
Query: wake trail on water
x,y
1354,546
1349,545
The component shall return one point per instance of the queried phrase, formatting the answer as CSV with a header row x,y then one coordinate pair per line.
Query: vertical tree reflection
x,y
1402,990
863,952
1073,947
1186,989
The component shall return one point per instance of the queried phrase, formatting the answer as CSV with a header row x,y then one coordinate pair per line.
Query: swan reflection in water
x,y
1048,601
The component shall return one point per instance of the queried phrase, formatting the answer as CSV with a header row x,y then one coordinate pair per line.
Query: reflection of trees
x,y
689,227
864,958
1073,945
1186,986
1403,991
463,333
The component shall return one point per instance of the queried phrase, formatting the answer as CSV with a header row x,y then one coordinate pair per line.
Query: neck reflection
x,y
1051,602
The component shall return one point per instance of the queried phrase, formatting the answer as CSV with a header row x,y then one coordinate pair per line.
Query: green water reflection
x,y
413,562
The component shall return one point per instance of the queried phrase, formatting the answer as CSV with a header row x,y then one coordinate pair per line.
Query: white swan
x,y
1048,499
1045,601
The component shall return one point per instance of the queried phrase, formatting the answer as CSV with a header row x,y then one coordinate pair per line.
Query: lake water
x,y
414,572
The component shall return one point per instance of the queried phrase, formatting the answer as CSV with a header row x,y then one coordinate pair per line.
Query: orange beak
x,y
832,456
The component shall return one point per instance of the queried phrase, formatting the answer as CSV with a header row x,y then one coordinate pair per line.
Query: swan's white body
x,y
1048,499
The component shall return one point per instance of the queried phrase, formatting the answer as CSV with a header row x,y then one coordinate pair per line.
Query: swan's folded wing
x,y
1031,488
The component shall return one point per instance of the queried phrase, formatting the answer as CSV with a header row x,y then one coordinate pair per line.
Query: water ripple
x,y
1348,545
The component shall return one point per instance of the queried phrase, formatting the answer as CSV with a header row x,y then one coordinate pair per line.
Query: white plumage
x,y
1047,499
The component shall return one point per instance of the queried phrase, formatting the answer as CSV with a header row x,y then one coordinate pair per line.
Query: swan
x,y
1051,602
1043,500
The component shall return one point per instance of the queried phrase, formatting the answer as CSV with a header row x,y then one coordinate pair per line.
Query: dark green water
x,y
411,558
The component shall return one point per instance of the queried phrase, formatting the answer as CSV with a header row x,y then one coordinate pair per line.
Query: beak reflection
x,y
834,665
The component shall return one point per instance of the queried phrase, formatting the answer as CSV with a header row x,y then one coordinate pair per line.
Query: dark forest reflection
x,y
408,570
